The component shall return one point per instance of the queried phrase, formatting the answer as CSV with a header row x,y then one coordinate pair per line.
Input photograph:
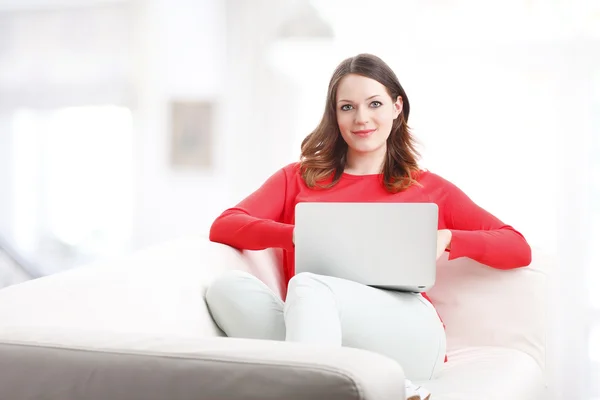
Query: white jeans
x,y
332,311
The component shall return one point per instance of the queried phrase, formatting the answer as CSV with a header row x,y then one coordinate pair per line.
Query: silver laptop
x,y
387,245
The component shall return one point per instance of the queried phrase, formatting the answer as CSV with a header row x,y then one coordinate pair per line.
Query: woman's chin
x,y
365,148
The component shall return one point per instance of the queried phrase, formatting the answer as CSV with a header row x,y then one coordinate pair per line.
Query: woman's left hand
x,y
444,238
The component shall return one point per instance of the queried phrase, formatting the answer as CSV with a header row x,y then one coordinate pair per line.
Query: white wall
x,y
261,102
483,113
182,56
182,50
6,179
577,213
207,50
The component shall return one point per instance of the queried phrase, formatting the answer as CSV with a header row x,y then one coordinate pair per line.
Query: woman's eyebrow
x,y
368,98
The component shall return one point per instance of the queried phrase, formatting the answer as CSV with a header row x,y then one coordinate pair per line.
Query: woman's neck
x,y
365,163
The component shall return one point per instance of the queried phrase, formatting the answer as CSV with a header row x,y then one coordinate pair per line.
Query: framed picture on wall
x,y
191,134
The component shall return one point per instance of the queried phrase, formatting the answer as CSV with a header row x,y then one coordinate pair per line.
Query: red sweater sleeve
x,y
479,235
255,223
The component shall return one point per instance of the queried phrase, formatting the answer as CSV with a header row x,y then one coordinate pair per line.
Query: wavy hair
x,y
323,156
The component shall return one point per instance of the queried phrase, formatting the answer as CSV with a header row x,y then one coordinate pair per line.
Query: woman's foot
x,y
415,392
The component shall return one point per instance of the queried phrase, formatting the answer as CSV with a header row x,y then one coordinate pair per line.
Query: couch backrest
x,y
217,258
482,306
267,265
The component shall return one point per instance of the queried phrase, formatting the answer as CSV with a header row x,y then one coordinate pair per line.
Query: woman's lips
x,y
364,132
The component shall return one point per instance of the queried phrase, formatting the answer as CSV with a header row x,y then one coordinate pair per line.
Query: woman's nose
x,y
361,116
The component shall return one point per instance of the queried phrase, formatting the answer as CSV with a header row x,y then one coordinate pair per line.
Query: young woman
x,y
362,151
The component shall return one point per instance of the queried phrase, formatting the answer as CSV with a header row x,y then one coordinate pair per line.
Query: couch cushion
x,y
490,373
483,306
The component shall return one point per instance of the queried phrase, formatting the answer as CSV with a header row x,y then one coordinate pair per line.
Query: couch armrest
x,y
159,290
72,364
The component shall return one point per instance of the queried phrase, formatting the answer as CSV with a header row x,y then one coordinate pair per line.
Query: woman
x,y
362,151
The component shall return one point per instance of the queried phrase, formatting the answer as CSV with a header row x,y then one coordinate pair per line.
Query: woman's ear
x,y
398,107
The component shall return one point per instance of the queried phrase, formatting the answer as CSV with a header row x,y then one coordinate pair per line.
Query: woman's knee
x,y
243,306
306,283
307,279
229,286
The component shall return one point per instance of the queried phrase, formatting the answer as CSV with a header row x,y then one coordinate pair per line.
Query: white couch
x,y
138,328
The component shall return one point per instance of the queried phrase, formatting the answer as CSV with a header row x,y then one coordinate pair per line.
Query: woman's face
x,y
365,113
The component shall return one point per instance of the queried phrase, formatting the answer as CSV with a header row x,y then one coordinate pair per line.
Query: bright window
x,y
73,183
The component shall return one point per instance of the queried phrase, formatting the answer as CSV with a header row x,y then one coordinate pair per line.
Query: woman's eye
x,y
376,104
346,107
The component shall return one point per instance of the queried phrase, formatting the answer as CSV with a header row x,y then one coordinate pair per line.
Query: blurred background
x,y
127,123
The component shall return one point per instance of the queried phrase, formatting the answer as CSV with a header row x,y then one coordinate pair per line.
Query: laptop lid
x,y
388,245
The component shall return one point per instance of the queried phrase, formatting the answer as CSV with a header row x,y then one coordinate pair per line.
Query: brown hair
x,y
324,150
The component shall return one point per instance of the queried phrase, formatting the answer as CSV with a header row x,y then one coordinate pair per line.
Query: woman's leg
x,y
333,311
243,306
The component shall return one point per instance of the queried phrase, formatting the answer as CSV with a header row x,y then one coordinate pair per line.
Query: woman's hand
x,y
444,238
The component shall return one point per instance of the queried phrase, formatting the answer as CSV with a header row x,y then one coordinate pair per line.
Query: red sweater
x,y
265,219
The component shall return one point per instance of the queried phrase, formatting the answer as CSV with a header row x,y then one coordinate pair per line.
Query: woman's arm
x,y
255,223
479,235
